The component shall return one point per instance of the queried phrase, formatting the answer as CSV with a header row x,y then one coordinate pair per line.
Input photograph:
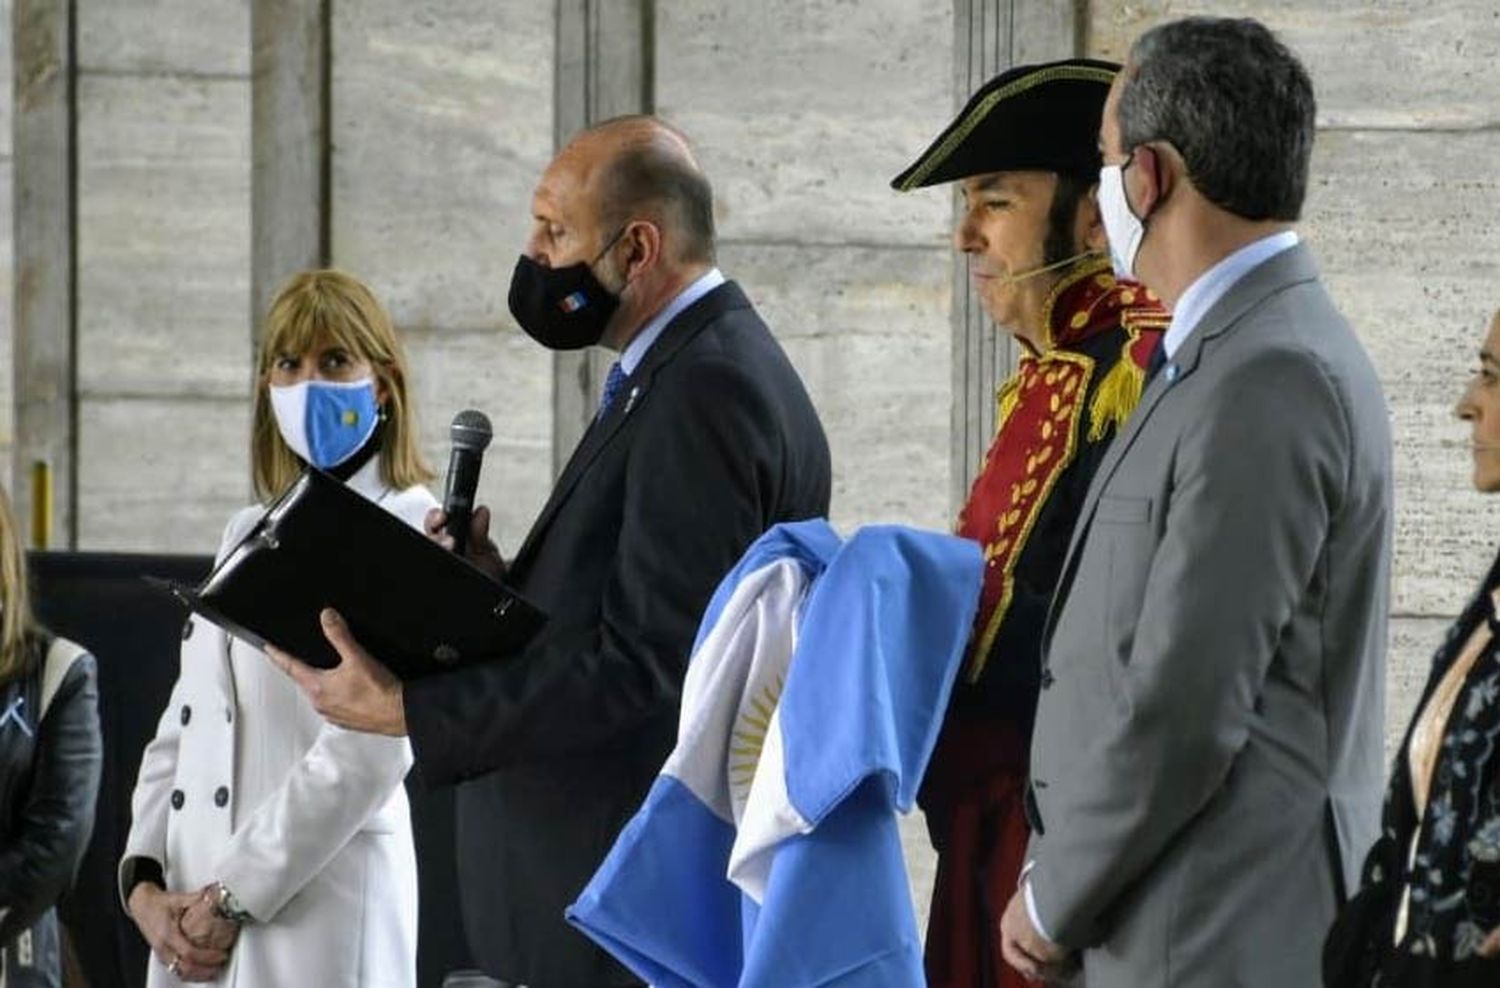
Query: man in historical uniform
x,y
1024,153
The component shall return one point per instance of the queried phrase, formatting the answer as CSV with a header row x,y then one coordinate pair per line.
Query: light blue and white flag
x,y
767,852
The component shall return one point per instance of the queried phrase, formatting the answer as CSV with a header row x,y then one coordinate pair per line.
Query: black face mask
x,y
562,308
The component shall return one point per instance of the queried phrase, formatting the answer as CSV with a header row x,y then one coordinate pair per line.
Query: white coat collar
x,y
367,480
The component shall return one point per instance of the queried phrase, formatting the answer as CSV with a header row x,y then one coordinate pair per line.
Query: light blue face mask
x,y
326,422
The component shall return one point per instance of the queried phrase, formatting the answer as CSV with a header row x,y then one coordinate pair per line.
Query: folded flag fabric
x,y
767,851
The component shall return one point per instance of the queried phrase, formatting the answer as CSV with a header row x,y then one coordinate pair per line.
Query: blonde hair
x,y
16,622
331,305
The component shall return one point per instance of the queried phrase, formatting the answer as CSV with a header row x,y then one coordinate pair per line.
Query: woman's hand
x,y
1491,945
158,914
205,927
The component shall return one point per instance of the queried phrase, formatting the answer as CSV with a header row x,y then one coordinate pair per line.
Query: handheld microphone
x,y
470,433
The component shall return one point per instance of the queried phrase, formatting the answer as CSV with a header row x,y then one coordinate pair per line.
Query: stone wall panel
x,y
1385,64
163,236
802,112
867,328
164,37
161,474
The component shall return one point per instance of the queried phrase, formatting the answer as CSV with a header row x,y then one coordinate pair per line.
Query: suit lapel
x,y
1290,267
602,430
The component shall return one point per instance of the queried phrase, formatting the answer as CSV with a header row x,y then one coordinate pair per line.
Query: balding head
x,y
626,197
640,167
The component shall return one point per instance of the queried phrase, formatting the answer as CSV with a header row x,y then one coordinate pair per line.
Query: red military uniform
x,y
1057,415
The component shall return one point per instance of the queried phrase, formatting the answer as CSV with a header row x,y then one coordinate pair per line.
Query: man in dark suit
x,y
705,438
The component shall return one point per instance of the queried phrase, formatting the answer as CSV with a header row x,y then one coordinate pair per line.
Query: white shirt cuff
x,y
1036,921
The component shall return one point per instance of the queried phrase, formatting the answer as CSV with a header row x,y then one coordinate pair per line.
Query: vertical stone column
x,y
163,264
605,68
989,37
45,221
289,104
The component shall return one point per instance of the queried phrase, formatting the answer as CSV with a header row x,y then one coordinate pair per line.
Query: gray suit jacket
x,y
1207,763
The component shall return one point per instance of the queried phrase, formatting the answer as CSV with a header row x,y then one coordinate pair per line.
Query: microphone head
x,y
470,430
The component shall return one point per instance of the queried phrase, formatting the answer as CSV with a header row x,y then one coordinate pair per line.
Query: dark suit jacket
x,y
711,441
1454,869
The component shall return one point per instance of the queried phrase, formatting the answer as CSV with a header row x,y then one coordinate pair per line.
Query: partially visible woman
x,y
268,847
49,773
1428,913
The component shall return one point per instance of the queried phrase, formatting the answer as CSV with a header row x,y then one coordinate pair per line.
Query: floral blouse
x,y
1444,842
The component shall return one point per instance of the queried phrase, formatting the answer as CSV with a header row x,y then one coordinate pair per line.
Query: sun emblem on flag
x,y
749,737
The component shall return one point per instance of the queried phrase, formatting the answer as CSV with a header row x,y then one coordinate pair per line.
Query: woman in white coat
x,y
267,847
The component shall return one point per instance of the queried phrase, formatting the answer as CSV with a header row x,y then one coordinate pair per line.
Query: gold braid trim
x,y
1006,399
1076,73
1086,268
1068,422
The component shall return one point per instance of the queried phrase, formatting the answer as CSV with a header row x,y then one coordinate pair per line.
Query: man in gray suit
x,y
1206,768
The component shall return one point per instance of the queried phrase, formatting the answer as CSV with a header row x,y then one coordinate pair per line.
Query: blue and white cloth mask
x,y
326,422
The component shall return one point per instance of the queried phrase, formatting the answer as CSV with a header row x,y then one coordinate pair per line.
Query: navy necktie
x,y
612,385
1158,358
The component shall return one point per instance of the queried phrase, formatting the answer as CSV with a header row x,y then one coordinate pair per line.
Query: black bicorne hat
x,y
1029,118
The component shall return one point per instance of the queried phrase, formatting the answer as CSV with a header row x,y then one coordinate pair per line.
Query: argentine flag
x,y
767,852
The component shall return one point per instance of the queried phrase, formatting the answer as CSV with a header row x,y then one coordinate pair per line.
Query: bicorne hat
x,y
1029,118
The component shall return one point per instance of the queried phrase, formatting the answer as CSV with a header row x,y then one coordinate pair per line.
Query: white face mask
x,y
1124,229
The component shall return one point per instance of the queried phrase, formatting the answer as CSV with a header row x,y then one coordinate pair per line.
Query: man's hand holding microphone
x,y
361,694
458,525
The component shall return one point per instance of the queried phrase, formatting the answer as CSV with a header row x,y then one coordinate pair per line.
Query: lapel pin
x,y
1171,373
635,393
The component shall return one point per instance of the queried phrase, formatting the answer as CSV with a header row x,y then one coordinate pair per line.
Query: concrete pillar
x,y
289,105
45,219
605,68
163,271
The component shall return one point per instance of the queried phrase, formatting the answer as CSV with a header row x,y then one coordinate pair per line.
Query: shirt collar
x,y
1214,284
636,351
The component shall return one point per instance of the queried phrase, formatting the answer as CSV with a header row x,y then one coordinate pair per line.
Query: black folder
x,y
416,607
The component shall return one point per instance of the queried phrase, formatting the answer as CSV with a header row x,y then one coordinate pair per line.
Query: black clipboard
x,y
416,607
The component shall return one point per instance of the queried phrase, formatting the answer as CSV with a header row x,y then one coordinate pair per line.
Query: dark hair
x,y
1067,195
1234,102
664,180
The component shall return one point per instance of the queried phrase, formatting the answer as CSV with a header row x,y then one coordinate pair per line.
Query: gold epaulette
x,y
1145,319
1117,395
